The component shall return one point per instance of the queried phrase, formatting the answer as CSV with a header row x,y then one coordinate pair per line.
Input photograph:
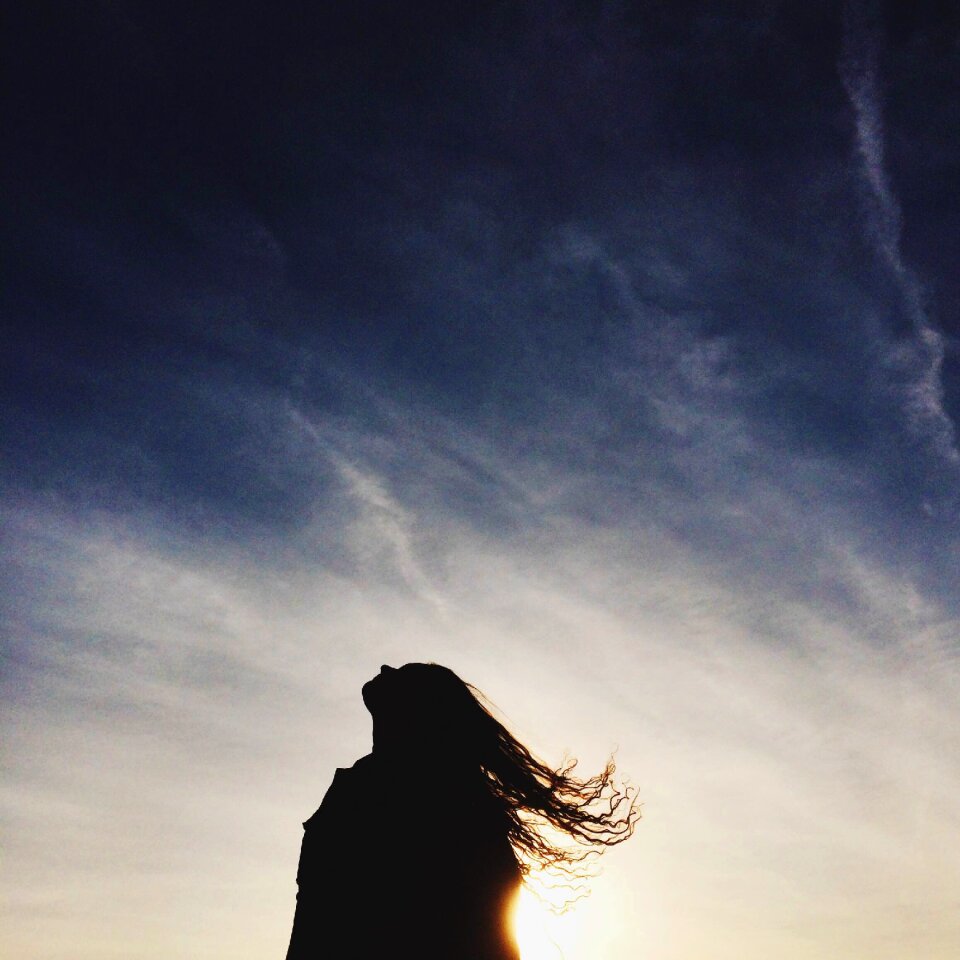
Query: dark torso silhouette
x,y
396,864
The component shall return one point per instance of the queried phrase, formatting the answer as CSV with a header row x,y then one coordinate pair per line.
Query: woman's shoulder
x,y
349,786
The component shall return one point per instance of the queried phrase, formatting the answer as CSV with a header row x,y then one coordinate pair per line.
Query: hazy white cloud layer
x,y
178,709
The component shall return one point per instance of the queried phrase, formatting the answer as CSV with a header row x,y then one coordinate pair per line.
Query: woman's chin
x,y
369,693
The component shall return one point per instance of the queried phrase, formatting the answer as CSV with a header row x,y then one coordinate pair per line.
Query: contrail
x,y
922,359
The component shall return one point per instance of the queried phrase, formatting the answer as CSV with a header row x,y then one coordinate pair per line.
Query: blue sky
x,y
606,353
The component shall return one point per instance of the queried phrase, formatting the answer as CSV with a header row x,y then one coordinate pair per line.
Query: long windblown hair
x,y
556,819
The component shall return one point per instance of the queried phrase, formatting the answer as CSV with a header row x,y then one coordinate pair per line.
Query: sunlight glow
x,y
535,930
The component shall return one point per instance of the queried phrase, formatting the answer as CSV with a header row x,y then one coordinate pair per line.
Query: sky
x,y
604,352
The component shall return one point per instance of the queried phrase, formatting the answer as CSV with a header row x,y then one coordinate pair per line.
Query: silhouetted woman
x,y
419,848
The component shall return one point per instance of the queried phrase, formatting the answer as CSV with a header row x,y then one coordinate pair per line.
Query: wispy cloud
x,y
381,524
920,361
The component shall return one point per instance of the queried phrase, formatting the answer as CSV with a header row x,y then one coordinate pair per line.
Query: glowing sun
x,y
531,927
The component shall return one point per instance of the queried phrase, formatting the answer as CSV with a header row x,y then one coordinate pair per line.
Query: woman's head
x,y
424,711
416,689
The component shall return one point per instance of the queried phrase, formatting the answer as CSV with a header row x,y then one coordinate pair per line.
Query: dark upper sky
x,y
521,217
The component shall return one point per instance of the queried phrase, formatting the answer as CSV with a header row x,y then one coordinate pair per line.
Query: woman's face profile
x,y
374,690
393,689
411,697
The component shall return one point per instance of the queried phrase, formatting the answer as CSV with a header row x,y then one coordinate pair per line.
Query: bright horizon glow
x,y
156,779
